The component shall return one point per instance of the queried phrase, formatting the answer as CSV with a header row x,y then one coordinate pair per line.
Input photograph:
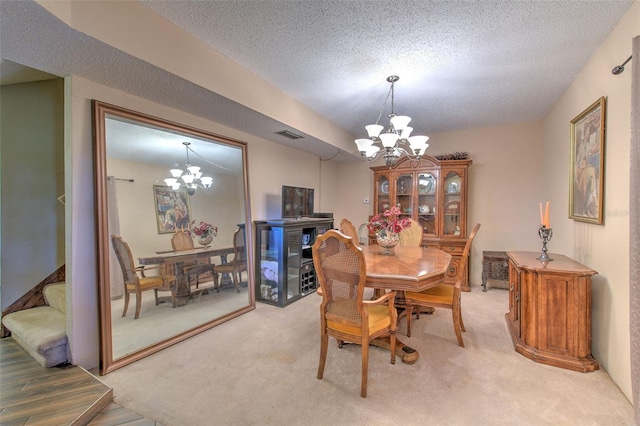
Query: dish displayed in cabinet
x,y
384,205
426,184
384,187
452,207
452,185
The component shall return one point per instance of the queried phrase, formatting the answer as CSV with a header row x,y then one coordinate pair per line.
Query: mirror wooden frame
x,y
100,111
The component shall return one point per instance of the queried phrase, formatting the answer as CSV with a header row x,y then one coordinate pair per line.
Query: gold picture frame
x,y
586,186
173,209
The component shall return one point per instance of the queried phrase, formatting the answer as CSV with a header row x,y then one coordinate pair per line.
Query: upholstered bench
x,y
41,331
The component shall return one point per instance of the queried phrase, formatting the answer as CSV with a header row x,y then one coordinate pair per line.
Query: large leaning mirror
x,y
173,256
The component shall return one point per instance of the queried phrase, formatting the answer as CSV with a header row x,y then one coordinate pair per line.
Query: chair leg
x,y
324,344
216,281
409,314
126,303
456,326
460,316
155,293
138,303
393,341
365,368
236,280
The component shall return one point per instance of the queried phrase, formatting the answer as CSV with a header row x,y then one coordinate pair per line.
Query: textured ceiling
x,y
462,64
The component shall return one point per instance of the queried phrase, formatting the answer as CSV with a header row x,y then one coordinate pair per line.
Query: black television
x,y
296,201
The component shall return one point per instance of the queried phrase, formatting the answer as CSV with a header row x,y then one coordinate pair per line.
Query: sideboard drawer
x,y
452,249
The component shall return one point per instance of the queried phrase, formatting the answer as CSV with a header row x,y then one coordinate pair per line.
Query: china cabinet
x,y
549,316
284,264
433,193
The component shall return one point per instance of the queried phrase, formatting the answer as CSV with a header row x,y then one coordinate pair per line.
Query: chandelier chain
x,y
208,161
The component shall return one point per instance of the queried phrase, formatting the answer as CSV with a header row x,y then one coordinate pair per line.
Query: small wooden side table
x,y
495,266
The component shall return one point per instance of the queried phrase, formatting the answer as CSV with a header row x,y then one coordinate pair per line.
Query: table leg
x,y
182,292
407,354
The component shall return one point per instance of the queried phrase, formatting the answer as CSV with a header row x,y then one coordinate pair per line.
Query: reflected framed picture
x,y
587,164
173,210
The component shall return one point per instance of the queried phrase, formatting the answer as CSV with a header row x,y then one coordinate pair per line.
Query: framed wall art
x,y
173,211
587,164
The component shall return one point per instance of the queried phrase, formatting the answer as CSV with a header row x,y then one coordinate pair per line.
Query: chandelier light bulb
x,y
400,122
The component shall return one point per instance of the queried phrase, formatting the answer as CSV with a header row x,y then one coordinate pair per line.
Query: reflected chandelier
x,y
188,180
396,140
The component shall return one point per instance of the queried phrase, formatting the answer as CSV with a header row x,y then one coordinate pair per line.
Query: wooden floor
x,y
34,395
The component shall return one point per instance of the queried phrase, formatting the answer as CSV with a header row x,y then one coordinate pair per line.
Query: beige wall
x,y
32,152
604,248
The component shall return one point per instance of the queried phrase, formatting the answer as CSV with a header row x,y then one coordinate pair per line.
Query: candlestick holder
x,y
546,234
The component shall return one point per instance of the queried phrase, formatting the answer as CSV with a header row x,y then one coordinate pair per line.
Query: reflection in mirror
x,y
159,242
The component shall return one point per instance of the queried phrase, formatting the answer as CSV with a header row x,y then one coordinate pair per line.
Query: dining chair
x,y
411,236
134,277
181,241
347,228
238,263
444,295
344,314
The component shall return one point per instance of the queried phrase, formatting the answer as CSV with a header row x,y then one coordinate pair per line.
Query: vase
x,y
205,239
387,240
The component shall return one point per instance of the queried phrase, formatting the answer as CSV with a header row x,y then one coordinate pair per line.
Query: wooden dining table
x,y
407,269
177,258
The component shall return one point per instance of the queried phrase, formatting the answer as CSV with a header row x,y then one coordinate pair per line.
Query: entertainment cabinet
x,y
284,264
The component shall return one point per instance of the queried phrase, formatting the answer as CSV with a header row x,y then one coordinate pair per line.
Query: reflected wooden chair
x,y
135,280
238,264
444,295
347,228
411,236
341,271
181,241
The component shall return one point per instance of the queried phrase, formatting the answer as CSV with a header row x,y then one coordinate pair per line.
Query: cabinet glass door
x,y
452,207
270,258
383,189
427,202
404,194
294,261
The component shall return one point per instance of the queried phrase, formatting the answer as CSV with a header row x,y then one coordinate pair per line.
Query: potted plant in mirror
x,y
204,232
386,226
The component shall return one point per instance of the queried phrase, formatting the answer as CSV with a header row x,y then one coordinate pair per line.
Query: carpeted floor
x,y
260,369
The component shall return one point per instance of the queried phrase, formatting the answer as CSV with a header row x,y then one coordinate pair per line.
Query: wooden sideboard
x,y
549,316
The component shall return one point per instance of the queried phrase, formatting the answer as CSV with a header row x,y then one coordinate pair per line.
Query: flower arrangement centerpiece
x,y
387,226
204,232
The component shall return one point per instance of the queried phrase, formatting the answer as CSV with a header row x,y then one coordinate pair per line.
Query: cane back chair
x,y
444,295
344,314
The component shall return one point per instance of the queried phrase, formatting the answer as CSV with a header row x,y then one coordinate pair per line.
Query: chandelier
x,y
188,180
396,141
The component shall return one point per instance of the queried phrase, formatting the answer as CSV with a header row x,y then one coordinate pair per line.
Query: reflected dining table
x,y
407,269
177,258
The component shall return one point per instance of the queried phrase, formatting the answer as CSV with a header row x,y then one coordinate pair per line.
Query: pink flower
x,y
204,229
389,221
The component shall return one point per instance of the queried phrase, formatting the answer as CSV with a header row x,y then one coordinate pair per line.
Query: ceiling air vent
x,y
289,134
